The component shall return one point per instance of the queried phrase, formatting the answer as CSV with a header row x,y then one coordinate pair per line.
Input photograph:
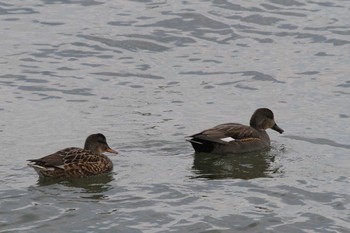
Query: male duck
x,y
237,138
76,162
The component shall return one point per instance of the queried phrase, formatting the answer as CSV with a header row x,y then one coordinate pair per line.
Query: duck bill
x,y
277,128
110,150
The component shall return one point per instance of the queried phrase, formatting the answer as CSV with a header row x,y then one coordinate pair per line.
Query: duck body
x,y
236,138
76,162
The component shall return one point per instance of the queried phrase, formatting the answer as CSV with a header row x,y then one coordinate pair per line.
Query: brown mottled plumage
x,y
237,138
76,162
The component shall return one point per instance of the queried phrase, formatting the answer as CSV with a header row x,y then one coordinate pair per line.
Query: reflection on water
x,y
95,184
238,166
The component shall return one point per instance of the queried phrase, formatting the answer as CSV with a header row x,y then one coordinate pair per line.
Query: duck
x,y
233,138
75,162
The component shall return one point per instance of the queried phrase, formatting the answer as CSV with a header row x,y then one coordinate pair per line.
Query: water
x,y
148,73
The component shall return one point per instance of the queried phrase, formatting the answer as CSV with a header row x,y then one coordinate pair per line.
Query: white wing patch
x,y
228,139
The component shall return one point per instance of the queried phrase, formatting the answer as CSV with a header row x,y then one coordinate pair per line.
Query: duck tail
x,y
44,171
38,168
193,140
200,145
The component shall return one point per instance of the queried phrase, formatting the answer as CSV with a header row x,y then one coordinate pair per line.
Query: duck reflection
x,y
95,184
238,166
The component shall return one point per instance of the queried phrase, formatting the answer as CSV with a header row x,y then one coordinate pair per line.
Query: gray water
x,y
148,73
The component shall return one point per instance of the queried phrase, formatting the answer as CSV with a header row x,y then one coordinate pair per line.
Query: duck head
x,y
263,119
97,143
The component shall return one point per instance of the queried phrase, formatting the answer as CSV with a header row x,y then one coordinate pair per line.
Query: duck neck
x,y
265,137
262,132
257,123
92,148
253,123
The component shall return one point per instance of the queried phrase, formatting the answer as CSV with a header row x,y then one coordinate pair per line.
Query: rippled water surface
x,y
148,73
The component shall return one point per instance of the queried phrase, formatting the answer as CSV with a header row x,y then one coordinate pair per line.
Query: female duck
x,y
237,138
76,162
